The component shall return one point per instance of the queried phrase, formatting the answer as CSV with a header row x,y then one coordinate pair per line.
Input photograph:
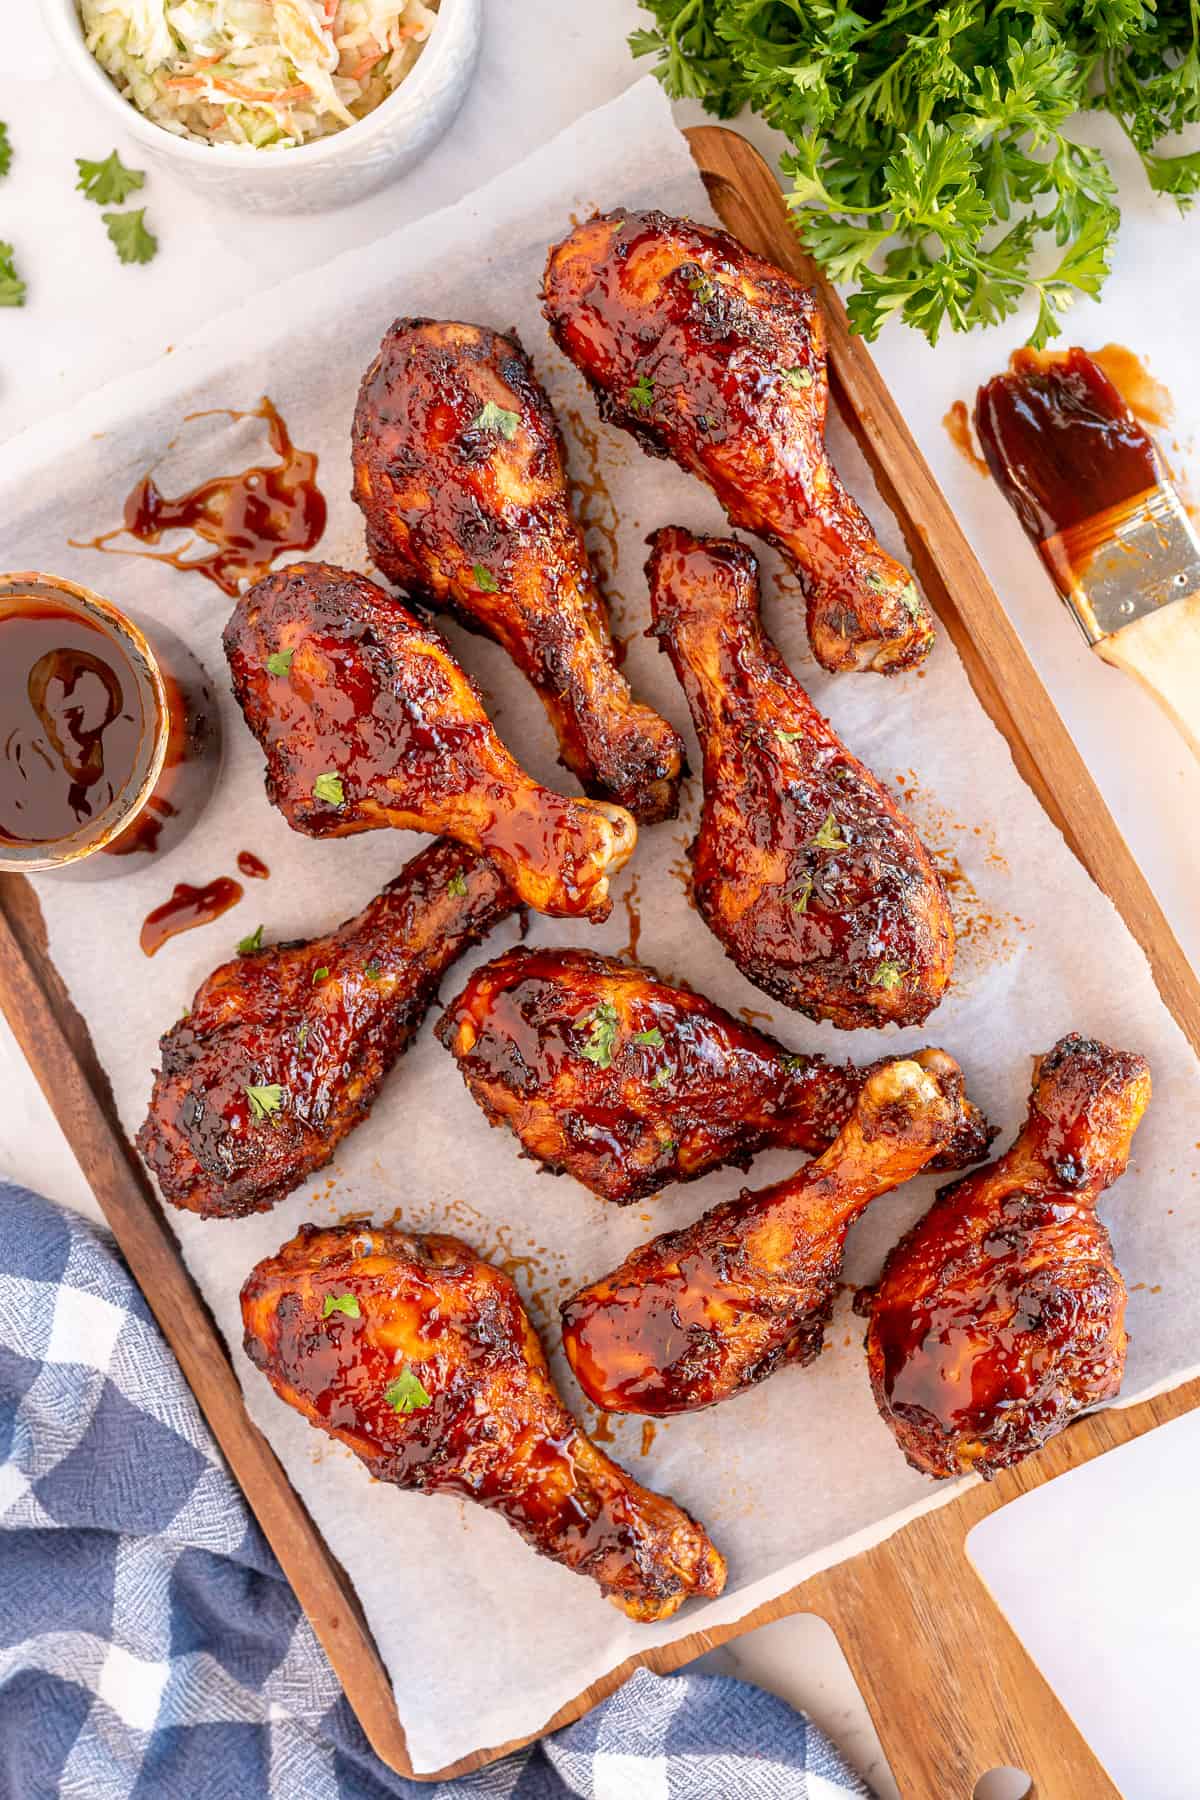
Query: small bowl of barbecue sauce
x,y
109,745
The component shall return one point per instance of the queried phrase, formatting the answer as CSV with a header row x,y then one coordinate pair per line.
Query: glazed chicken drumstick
x,y
711,356
609,1074
421,1358
285,1048
460,472
366,720
1001,1316
699,1314
803,866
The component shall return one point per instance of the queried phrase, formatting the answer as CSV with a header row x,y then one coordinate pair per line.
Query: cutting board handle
x,y
1162,651
952,1691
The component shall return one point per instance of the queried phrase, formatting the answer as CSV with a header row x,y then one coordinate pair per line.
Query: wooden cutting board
x,y
950,1689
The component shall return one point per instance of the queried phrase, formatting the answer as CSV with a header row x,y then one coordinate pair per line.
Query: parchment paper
x,y
483,1639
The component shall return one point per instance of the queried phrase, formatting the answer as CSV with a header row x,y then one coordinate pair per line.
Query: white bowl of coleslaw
x,y
275,105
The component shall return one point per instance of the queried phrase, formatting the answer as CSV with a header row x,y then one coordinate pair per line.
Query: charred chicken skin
x,y
367,720
713,357
699,1314
1001,1316
609,1074
460,473
285,1048
803,867
421,1358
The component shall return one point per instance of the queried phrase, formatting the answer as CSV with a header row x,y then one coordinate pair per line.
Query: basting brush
x,y
1093,494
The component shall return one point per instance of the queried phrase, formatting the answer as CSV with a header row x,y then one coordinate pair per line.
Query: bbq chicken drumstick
x,y
699,1314
285,1048
713,357
366,720
421,1358
803,866
609,1074
459,470
1001,1316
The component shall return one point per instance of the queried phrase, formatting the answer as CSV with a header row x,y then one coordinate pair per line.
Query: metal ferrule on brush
x,y
1127,561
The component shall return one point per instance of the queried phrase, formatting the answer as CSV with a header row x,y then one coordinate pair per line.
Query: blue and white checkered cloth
x,y
149,1644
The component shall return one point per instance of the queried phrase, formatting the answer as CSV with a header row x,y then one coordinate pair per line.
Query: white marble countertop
x,y
545,62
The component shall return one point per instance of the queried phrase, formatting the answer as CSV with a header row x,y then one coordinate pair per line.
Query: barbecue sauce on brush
x,y
73,723
1060,441
248,518
1063,447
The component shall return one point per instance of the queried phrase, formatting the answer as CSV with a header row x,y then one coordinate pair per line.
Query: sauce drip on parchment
x,y
246,518
958,428
72,723
252,866
187,908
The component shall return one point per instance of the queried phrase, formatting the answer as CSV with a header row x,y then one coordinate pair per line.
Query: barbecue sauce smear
x,y
247,518
187,908
73,723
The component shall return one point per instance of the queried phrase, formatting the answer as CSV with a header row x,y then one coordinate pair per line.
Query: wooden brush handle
x,y
1162,651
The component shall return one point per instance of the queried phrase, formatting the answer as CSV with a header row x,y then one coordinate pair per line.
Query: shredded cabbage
x,y
268,73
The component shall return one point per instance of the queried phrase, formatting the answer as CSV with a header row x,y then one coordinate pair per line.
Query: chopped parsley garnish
x,y
787,737
280,662
301,1036
667,1146
253,942
108,183
457,885
341,1303
797,377
5,152
702,287
12,288
792,1063
653,1036
372,970
484,580
496,419
641,395
264,1101
130,239
911,600
328,787
829,837
801,898
321,974
406,1394
602,1024
888,975
662,1076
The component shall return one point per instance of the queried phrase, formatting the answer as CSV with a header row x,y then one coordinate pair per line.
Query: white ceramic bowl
x,y
310,177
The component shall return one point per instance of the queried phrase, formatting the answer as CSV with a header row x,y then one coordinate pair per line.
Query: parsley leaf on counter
x,y
5,151
248,944
932,163
12,288
130,238
108,183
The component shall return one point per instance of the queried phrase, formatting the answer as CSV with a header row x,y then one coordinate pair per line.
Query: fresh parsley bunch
x,y
931,160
